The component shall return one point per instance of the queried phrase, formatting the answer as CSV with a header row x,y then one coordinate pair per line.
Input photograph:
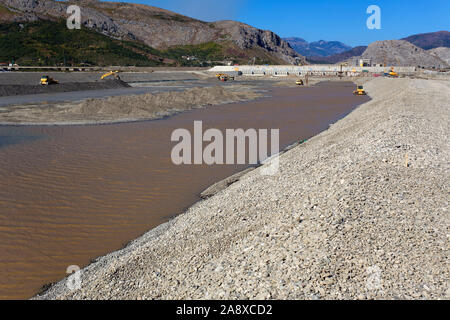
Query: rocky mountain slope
x,y
158,28
319,48
401,53
248,37
430,40
393,52
442,53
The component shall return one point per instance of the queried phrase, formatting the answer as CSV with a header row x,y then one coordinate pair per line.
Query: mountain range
x,y
319,48
335,58
426,49
33,32
162,36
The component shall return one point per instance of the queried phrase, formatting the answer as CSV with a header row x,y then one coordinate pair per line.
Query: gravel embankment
x,y
124,108
359,211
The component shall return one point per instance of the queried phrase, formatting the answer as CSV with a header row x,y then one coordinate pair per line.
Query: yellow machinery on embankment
x,y
111,73
391,73
46,80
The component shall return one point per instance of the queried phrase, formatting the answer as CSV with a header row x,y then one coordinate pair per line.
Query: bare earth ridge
x,y
358,211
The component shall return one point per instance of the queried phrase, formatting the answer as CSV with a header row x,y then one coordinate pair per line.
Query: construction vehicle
x,y
46,80
299,82
111,73
225,77
359,91
391,73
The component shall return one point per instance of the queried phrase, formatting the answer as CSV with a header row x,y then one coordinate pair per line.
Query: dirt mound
x,y
17,90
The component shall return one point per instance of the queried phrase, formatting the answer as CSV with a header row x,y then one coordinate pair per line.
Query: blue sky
x,y
342,20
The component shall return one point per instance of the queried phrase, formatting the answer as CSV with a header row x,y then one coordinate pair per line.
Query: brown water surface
x,y
72,193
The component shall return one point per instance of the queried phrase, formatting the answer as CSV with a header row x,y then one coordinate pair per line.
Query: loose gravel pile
x,y
359,211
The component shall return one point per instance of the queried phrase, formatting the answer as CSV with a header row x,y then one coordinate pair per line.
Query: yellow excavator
x,y
359,91
111,73
391,73
46,80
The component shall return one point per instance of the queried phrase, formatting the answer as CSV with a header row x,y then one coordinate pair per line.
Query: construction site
x,y
41,91
98,78
44,111
116,181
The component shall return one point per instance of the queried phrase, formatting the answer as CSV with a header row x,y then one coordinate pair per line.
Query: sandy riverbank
x,y
358,211
124,108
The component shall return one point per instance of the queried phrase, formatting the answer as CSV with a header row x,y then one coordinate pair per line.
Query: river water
x,y
72,193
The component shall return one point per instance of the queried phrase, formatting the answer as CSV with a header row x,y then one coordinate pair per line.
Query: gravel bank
x,y
124,108
359,211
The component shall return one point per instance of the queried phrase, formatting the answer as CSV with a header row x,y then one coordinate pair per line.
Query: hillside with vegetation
x,y
52,43
135,33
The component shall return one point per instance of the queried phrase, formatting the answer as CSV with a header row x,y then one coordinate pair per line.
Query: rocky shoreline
x,y
359,211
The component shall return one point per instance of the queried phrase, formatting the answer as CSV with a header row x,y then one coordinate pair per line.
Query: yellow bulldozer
x,y
359,91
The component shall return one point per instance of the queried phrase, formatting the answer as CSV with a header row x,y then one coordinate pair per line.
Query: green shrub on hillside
x,y
52,43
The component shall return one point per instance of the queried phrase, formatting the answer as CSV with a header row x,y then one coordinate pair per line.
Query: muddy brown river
x,y
69,194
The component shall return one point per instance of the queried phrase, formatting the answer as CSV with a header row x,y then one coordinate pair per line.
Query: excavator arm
x,y
110,74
